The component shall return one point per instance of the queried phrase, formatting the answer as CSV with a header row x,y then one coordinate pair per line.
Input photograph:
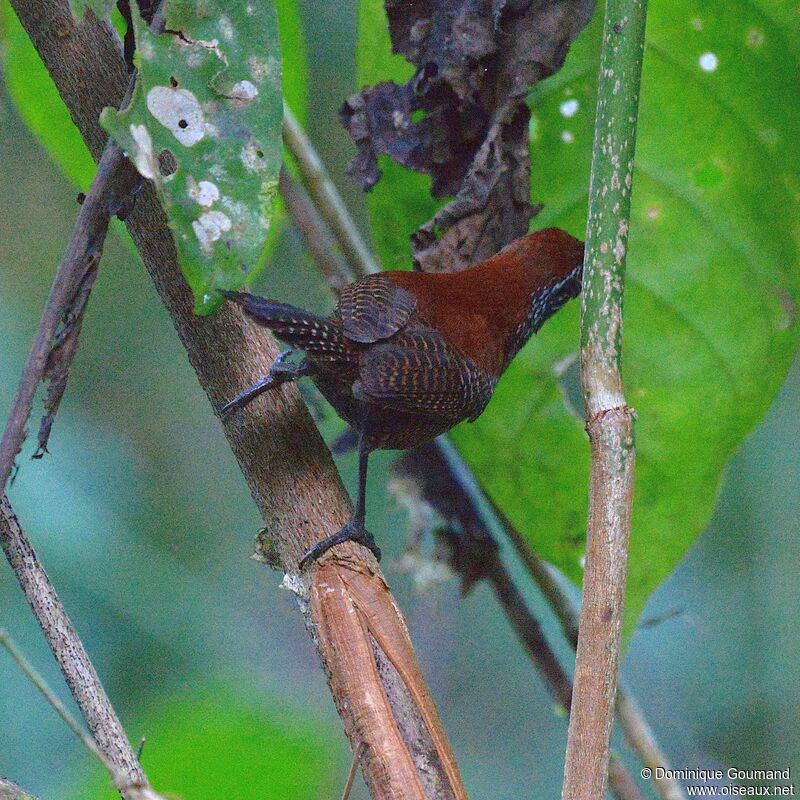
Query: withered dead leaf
x,y
476,61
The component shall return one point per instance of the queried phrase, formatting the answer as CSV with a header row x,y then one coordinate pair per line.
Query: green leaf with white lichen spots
x,y
205,126
710,320
41,108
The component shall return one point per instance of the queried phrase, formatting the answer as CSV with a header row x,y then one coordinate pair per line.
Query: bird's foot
x,y
350,533
280,372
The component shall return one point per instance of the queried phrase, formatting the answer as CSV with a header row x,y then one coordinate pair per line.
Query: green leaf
x,y
205,126
39,104
710,320
211,744
401,200
294,58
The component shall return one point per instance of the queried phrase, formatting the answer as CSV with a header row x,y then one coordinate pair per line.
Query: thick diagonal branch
x,y
287,466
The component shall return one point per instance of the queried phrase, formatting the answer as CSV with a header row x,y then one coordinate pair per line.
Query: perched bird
x,y
406,356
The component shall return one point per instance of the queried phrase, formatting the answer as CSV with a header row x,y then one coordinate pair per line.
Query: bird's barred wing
x,y
374,308
419,372
318,336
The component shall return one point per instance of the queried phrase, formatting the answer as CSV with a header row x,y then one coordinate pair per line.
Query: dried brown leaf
x,y
476,61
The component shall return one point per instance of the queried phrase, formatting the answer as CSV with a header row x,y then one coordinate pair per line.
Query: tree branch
x,y
135,791
59,360
329,201
641,739
316,234
610,421
110,192
71,655
289,471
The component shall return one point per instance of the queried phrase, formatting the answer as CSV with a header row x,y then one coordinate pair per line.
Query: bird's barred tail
x,y
293,325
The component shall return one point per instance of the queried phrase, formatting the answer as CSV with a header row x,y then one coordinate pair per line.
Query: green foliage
x,y
401,200
41,108
294,58
209,101
710,327
211,744
39,104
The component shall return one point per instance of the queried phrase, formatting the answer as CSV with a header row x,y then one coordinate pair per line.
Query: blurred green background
x,y
145,526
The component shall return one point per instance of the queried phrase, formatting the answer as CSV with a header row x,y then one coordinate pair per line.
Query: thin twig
x,y
39,682
326,196
351,775
109,194
610,421
545,576
120,780
642,741
61,356
317,235
70,653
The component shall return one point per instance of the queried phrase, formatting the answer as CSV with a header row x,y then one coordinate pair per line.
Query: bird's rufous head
x,y
544,257
541,272
491,310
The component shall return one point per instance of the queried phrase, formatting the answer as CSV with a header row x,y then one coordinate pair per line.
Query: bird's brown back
x,y
479,310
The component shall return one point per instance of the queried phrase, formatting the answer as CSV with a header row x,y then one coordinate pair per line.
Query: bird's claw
x,y
349,533
277,374
282,356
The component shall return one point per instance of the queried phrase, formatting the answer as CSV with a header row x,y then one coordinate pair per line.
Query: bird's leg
x,y
361,504
354,531
280,372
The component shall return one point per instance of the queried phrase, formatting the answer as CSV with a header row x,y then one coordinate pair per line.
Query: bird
x,y
407,355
